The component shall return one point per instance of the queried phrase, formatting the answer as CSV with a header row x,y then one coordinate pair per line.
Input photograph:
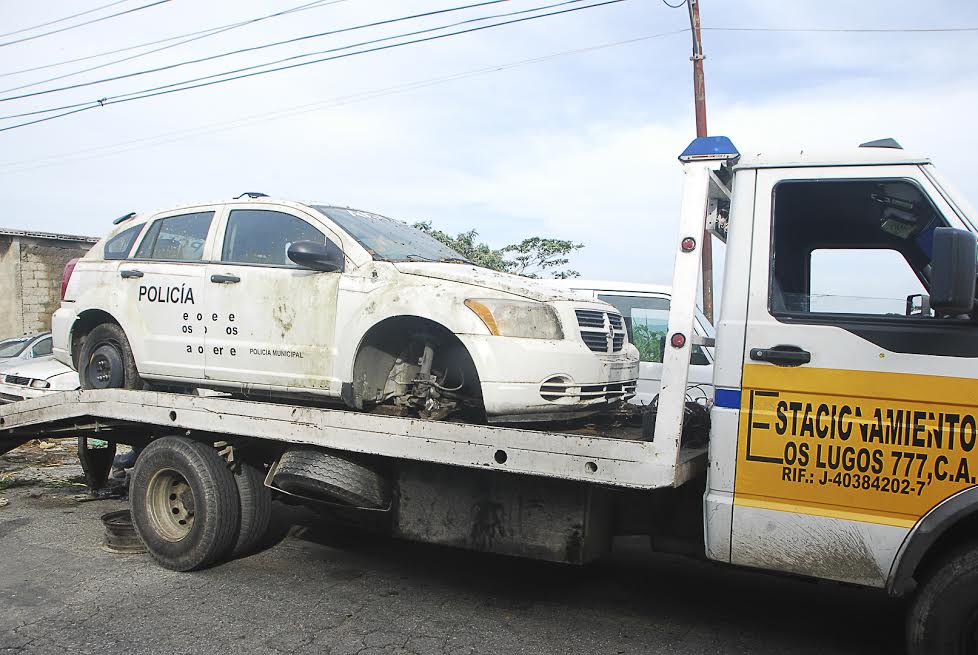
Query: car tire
x,y
184,503
943,616
319,474
255,502
106,360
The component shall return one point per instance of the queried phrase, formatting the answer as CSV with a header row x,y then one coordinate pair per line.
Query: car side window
x,y
261,236
42,348
118,247
176,238
647,322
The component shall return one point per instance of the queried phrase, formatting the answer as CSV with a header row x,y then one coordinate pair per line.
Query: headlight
x,y
517,318
40,384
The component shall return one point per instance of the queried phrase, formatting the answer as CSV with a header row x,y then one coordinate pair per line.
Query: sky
x,y
565,127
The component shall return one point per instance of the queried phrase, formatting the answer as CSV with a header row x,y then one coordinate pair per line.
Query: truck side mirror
x,y
326,257
953,269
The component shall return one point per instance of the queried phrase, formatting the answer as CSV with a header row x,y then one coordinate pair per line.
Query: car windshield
x,y
391,240
13,347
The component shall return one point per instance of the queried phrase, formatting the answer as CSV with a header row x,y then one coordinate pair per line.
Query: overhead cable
x,y
83,24
305,37
298,110
209,30
61,20
250,71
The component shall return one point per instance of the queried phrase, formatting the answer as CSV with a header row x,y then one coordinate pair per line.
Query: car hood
x,y
487,279
39,368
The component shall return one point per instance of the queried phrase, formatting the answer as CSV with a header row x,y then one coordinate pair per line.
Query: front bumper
x,y
13,392
542,379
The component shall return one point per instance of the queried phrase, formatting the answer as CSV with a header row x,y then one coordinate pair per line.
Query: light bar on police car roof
x,y
710,148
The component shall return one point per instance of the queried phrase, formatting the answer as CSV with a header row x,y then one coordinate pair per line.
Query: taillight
x,y
69,269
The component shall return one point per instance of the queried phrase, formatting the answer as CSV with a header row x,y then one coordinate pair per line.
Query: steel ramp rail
x,y
110,412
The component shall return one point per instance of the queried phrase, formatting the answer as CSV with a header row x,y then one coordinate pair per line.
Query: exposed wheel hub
x,y
105,369
170,505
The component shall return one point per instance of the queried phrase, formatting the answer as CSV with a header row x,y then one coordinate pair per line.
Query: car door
x,y
269,323
162,300
646,318
857,415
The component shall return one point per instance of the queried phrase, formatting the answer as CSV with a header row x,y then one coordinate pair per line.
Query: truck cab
x,y
844,426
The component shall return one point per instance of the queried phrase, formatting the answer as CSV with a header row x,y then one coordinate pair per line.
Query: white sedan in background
x,y
25,348
645,308
34,378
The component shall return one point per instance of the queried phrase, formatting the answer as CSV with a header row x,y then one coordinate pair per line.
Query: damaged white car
x,y
262,297
35,378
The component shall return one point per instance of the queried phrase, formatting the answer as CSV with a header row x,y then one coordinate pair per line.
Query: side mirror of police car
x,y
326,257
953,269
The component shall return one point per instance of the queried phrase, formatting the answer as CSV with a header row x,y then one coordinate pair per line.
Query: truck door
x,y
858,407
270,323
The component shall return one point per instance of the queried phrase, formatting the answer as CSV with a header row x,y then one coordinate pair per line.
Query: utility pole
x,y
699,102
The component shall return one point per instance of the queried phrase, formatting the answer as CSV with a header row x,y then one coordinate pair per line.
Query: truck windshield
x,y
390,240
13,347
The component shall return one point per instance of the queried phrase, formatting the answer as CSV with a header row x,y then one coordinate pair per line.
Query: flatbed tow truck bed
x,y
615,457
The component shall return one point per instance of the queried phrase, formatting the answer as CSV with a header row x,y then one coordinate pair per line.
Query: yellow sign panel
x,y
877,447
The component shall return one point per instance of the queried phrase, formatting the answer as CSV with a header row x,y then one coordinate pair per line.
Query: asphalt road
x,y
323,589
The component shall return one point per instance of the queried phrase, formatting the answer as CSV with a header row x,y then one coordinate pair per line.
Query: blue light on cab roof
x,y
706,148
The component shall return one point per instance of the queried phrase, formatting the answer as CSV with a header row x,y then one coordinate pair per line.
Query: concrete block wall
x,y
30,281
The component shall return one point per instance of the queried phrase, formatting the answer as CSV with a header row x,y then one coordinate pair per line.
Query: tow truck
x,y
840,443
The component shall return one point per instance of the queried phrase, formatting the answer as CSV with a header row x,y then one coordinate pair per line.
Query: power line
x,y
88,22
195,36
671,6
857,30
289,112
149,93
254,48
147,44
91,104
61,20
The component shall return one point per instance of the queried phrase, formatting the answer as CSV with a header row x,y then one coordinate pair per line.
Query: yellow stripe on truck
x,y
867,446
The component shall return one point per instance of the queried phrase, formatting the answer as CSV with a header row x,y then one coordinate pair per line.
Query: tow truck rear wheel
x,y
256,509
106,360
943,616
184,503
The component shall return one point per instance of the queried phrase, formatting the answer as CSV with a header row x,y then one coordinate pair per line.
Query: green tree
x,y
533,257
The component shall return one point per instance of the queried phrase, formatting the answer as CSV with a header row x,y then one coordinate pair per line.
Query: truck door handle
x,y
128,274
225,279
781,355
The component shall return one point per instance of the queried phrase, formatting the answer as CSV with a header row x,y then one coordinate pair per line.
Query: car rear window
x,y
118,247
176,238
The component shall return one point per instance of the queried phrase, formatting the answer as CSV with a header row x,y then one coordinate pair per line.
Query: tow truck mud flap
x,y
505,513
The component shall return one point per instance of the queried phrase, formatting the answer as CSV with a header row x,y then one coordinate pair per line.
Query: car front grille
x,y
602,332
558,389
16,379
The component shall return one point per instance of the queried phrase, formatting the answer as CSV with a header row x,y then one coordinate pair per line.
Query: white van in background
x,y
645,308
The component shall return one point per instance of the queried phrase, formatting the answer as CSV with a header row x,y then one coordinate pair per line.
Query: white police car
x,y
263,297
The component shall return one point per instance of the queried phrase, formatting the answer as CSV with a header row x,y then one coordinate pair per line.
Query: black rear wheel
x,y
256,508
106,360
943,617
184,503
